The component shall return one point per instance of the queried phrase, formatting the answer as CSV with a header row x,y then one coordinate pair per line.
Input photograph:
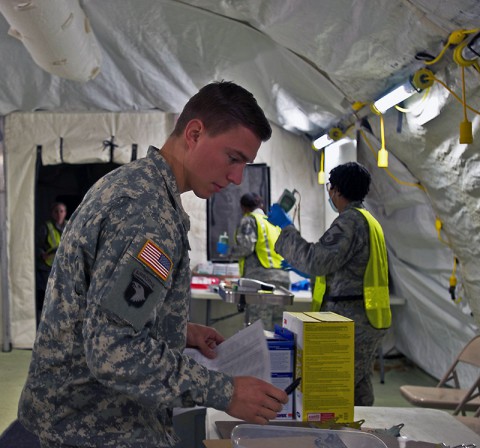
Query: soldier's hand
x,y
204,339
255,401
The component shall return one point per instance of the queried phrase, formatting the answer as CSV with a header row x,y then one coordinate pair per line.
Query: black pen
x,y
291,387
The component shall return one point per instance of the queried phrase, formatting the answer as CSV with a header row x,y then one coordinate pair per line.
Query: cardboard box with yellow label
x,y
324,359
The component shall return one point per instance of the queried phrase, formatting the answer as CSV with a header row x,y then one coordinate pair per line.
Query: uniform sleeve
x,y
335,248
246,238
135,323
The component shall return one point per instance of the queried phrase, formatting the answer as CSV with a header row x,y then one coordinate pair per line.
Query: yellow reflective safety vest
x,y
53,240
267,235
375,280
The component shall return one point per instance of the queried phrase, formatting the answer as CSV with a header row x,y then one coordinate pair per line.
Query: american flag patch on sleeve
x,y
154,257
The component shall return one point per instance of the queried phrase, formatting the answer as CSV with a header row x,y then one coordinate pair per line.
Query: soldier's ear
x,y
193,132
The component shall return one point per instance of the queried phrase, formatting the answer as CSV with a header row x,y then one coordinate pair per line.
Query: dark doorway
x,y
58,183
65,183
223,208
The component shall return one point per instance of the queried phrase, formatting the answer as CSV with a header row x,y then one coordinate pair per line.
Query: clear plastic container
x,y
271,436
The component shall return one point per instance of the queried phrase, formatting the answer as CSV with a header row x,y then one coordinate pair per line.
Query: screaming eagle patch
x,y
156,259
139,288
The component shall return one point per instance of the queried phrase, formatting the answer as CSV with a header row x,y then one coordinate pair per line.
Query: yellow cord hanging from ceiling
x,y
382,157
396,179
453,276
321,171
466,134
439,81
453,282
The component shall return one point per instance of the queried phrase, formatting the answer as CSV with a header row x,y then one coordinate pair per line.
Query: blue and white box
x,y
281,349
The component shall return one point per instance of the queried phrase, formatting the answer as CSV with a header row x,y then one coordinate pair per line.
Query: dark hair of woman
x,y
352,180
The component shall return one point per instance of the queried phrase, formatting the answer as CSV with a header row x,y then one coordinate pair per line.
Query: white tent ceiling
x,y
307,62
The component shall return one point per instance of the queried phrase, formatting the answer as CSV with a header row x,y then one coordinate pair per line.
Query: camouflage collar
x,y
164,168
354,204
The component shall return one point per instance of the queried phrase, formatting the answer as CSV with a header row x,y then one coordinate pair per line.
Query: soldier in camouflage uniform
x,y
341,255
107,365
246,240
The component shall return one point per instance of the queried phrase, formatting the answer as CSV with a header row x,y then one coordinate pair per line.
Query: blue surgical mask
x,y
335,209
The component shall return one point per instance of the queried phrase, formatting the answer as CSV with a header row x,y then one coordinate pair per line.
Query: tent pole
x,y
4,295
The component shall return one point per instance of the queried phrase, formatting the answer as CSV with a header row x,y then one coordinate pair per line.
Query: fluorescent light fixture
x,y
394,97
322,141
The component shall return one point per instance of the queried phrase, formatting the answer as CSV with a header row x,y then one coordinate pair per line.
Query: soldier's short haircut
x,y
352,180
56,204
221,106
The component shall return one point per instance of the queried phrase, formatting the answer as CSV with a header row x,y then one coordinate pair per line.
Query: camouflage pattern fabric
x,y
341,255
107,365
246,238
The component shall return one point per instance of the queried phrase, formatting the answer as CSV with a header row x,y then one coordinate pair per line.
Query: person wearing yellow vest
x,y
47,241
348,266
254,247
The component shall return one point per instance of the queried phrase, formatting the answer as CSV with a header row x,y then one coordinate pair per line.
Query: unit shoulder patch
x,y
138,290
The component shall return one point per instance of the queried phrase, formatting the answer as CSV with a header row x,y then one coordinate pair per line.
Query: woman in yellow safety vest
x,y
348,265
47,241
254,246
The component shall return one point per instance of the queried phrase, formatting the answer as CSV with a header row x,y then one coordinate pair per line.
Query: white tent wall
x,y
431,328
82,135
307,62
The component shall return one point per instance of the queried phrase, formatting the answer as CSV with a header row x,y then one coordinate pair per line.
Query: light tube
x,y
322,141
394,97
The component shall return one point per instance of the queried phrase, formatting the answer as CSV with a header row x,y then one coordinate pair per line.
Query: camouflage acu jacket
x,y
341,254
107,365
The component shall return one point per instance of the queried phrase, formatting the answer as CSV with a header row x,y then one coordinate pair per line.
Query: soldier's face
x,y
59,213
220,160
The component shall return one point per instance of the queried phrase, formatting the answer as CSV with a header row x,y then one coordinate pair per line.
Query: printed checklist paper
x,y
245,353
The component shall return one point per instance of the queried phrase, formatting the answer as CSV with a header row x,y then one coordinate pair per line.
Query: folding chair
x,y
473,422
443,396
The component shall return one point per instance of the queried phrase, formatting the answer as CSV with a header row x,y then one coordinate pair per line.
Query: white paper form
x,y
245,353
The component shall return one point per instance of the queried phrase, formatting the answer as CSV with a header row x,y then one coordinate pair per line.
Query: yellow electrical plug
x,y
357,105
456,37
321,171
382,158
453,285
453,280
321,177
466,133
